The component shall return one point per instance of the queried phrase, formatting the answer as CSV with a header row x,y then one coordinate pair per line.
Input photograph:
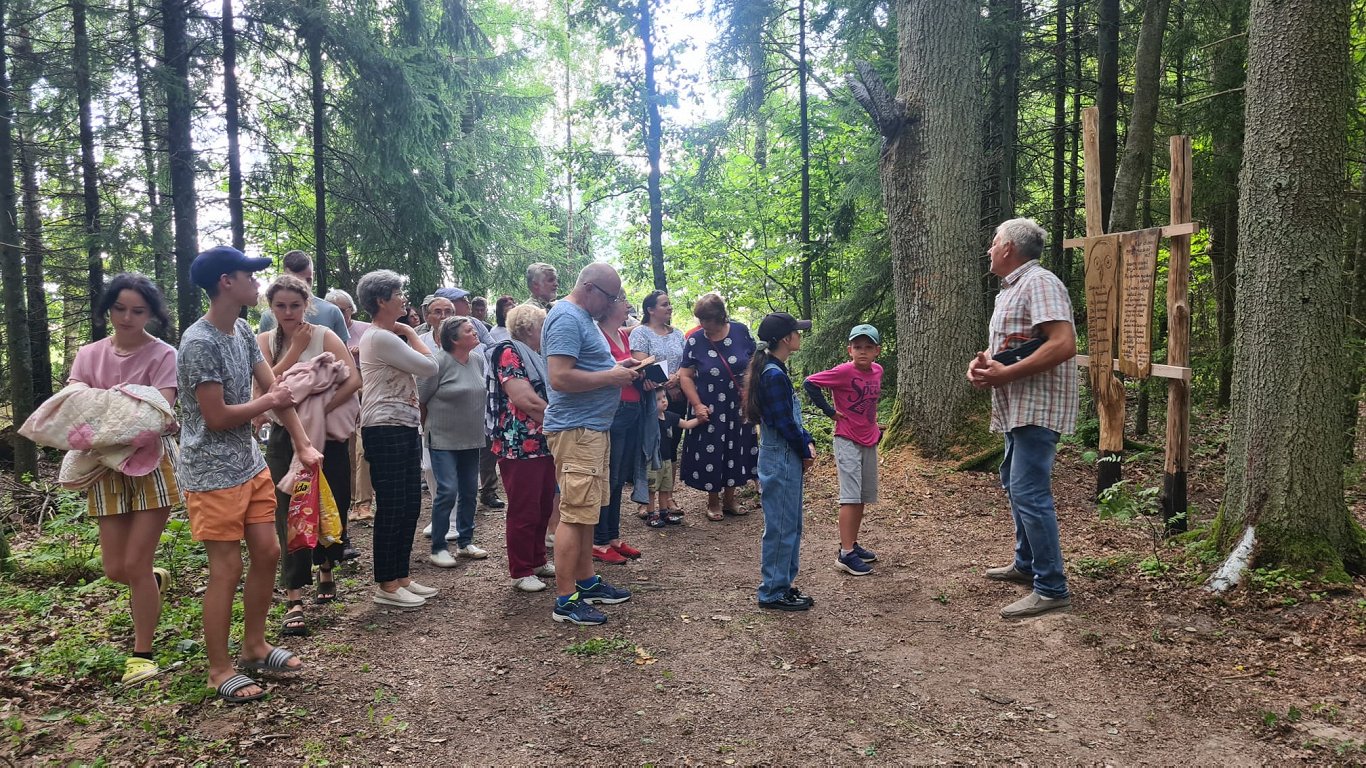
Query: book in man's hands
x,y
654,370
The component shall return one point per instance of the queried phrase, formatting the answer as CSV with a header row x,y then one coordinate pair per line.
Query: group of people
x,y
567,399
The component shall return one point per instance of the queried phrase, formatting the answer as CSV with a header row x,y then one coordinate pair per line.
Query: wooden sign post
x,y
1121,273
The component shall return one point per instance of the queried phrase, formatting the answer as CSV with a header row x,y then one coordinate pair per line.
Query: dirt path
x,y
908,666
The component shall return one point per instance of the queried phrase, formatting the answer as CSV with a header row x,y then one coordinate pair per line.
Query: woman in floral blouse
x,y
517,402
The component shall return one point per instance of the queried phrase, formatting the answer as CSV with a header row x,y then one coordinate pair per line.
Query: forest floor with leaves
x,y
910,665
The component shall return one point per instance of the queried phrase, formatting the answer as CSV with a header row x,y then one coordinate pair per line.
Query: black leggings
x,y
296,568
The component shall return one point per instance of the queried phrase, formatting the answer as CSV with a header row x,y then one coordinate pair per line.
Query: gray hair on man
x,y
538,271
377,286
1027,236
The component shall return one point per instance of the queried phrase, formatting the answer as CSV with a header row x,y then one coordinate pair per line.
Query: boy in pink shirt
x,y
856,385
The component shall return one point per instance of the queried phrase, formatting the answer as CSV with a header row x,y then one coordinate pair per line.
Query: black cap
x,y
220,260
778,325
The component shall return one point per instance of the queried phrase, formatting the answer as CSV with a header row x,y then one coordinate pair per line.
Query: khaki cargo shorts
x,y
581,468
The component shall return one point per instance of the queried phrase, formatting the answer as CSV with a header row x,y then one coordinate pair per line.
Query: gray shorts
x,y
857,466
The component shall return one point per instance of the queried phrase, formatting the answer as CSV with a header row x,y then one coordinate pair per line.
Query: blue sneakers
x,y
603,593
578,611
853,565
865,555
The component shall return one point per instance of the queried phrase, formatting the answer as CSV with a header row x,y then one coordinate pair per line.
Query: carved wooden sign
x,y
1139,265
1102,305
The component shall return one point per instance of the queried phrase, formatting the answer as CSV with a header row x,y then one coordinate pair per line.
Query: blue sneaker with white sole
x,y
576,611
604,593
853,565
866,555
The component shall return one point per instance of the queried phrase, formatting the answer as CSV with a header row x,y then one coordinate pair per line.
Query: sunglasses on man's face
x,y
610,297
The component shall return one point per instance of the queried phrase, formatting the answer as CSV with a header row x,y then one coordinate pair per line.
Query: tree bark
x,y
152,170
313,35
804,131
1107,95
1138,140
1284,470
653,136
929,168
1226,140
12,274
1073,175
25,72
232,99
179,103
1058,230
94,245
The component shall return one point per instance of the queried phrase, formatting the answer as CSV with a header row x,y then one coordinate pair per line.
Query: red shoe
x,y
608,555
627,550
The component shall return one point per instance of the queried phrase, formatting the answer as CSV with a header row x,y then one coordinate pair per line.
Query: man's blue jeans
x,y
1027,477
457,485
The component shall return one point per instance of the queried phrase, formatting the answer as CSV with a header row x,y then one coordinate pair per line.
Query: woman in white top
x,y
295,340
361,495
391,356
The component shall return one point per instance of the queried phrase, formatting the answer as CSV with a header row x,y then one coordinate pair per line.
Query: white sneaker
x,y
422,591
442,559
427,532
550,540
546,570
473,552
528,584
451,535
399,598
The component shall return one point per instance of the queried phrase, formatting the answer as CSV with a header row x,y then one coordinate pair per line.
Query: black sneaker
x,y
866,555
493,502
657,520
787,602
797,593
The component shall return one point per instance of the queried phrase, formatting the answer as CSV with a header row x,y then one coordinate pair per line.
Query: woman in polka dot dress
x,y
721,454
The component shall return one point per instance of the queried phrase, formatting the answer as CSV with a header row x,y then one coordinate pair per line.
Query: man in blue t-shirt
x,y
585,385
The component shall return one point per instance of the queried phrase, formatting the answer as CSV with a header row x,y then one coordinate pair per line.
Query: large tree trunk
x,y
653,136
12,275
1138,140
804,132
313,34
1058,231
94,247
1107,95
152,170
26,71
232,101
1284,472
929,170
179,104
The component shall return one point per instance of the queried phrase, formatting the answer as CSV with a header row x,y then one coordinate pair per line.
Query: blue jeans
x,y
780,475
625,438
1027,477
457,485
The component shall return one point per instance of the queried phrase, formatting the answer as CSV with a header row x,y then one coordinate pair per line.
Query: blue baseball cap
x,y
866,330
454,294
220,260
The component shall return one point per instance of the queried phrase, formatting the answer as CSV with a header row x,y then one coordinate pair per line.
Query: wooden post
x,y
1100,336
1174,502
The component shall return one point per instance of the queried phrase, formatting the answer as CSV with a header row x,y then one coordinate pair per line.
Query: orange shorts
x,y
224,514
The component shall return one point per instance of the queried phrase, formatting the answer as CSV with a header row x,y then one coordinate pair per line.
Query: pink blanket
x,y
117,429
314,383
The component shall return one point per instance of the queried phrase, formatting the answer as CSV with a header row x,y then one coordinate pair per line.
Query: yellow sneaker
x,y
136,669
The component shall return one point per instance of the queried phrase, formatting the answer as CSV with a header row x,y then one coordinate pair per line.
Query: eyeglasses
x,y
610,297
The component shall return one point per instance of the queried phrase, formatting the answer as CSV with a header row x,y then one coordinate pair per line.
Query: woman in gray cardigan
x,y
452,404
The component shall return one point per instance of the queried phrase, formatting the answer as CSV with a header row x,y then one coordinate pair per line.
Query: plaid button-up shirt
x,y
1029,297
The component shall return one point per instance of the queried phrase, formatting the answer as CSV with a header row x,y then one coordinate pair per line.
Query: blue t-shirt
x,y
570,331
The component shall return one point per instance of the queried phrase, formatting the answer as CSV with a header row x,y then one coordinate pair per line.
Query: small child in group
x,y
856,385
786,451
659,511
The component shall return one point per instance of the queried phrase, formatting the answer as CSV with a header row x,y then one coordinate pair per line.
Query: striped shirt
x,y
1031,296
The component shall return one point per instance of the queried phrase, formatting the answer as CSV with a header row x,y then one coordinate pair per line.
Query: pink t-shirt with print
x,y
856,394
153,364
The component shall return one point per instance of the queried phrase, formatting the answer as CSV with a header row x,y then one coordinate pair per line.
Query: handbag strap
x,y
720,356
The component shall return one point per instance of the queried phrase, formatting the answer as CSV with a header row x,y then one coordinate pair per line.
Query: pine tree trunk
x,y
232,101
1226,139
1073,174
653,136
94,246
1058,231
804,132
1284,471
313,35
12,273
1138,140
25,71
1107,95
929,168
179,103
152,170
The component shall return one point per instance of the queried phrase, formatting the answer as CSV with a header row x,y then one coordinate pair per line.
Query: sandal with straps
x,y
227,690
293,624
327,590
277,661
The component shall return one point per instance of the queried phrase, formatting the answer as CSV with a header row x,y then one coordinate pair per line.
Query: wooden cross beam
x,y
1175,372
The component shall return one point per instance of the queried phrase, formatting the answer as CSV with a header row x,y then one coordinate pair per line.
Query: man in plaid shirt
x,y
1033,401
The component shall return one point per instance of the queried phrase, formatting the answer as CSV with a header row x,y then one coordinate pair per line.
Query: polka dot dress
x,y
723,452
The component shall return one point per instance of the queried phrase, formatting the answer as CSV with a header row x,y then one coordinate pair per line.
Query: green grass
x,y
599,646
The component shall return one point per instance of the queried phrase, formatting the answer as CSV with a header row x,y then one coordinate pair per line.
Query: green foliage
x,y
1123,503
1102,567
599,646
